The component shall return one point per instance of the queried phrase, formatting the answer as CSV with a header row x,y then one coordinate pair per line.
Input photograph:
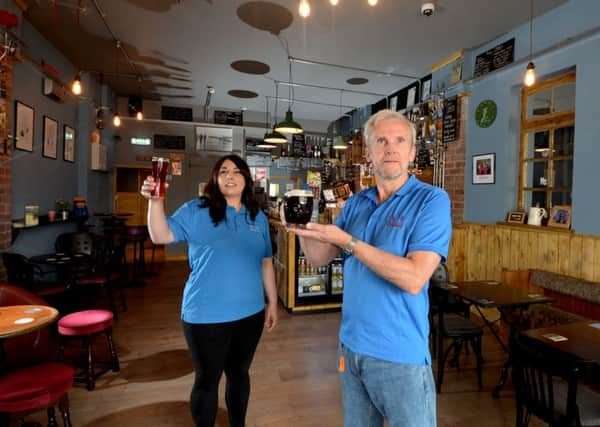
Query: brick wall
x,y
454,173
6,123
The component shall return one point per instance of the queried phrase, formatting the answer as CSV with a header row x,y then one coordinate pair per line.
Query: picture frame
x,y
516,217
24,127
68,144
560,216
50,138
484,168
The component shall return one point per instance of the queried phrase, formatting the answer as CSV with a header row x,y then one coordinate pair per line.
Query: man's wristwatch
x,y
348,248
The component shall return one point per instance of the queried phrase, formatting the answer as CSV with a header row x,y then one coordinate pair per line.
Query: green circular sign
x,y
485,114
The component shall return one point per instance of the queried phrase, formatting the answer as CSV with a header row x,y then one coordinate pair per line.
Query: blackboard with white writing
x,y
235,118
169,142
495,58
450,123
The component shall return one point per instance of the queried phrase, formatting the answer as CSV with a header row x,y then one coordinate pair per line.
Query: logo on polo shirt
x,y
254,228
395,221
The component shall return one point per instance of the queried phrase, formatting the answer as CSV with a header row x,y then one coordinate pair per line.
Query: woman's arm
x,y
268,273
158,227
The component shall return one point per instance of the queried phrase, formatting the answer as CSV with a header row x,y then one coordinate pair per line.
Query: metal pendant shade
x,y
275,137
288,125
340,144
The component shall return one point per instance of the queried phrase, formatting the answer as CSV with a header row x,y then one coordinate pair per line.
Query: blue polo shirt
x,y
378,318
225,283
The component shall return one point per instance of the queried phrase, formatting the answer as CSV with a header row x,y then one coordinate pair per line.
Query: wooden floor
x,y
294,380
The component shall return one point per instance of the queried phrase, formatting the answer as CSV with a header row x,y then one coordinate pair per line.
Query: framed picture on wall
x,y
69,144
50,138
560,216
23,137
484,168
516,217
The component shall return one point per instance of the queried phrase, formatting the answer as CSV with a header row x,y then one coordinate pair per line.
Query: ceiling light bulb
x,y
116,121
139,115
333,2
372,2
530,75
76,86
304,8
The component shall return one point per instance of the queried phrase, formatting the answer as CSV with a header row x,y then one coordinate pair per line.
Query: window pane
x,y
541,144
563,141
563,173
537,174
533,198
561,198
539,103
564,98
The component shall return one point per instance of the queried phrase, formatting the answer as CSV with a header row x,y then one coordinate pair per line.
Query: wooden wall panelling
x,y
587,259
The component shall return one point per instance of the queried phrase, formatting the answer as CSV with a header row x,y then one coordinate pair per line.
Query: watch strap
x,y
349,247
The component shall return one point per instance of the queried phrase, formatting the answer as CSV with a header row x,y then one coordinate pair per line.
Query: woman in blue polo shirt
x,y
223,309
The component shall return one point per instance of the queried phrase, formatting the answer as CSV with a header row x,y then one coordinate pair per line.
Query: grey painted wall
x,y
39,180
489,203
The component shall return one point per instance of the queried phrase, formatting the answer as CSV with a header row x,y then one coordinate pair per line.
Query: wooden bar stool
x,y
85,325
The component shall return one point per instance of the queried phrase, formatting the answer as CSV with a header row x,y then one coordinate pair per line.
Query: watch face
x,y
485,114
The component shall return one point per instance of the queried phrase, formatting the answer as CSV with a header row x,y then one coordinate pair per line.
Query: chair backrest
x,y
541,379
440,274
79,242
18,269
31,348
517,278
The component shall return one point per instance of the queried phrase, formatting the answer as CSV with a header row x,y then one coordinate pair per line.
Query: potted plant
x,y
62,206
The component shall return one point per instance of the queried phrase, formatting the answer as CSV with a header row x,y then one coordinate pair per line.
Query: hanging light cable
x,y
265,143
304,8
140,112
275,137
529,79
288,125
116,118
339,143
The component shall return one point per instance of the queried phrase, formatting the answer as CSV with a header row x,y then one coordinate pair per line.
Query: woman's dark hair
x,y
215,201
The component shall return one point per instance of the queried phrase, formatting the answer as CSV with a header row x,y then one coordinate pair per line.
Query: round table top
x,y
22,319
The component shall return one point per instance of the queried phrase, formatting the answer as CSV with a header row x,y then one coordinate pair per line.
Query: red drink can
x,y
160,169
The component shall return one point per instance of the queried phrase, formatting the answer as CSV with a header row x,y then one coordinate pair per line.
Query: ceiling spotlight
x,y
211,89
372,2
304,8
333,2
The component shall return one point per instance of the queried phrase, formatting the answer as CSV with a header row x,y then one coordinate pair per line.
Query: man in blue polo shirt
x,y
394,235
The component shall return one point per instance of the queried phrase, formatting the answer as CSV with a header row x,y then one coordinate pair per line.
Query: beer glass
x,y
160,169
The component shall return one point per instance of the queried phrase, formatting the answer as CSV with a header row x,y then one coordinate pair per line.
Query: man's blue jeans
x,y
374,389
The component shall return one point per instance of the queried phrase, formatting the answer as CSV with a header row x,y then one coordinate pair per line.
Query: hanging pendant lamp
x,y
288,125
274,137
339,143
529,79
271,137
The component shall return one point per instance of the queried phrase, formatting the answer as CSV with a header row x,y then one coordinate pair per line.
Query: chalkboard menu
x,y
181,114
169,142
298,145
450,124
235,118
495,58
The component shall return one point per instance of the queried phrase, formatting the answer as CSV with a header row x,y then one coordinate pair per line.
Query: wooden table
x,y
583,339
508,300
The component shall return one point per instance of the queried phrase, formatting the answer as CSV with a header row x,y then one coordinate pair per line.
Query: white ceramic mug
x,y
536,215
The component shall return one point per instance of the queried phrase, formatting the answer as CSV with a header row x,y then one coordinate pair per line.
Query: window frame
x,y
549,122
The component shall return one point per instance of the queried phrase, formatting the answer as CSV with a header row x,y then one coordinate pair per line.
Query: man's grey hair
x,y
387,115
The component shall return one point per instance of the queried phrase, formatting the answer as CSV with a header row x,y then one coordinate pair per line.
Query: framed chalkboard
x,y
495,58
235,118
298,145
451,122
182,114
169,142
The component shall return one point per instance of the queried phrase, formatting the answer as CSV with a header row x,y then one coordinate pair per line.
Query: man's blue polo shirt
x,y
225,283
379,319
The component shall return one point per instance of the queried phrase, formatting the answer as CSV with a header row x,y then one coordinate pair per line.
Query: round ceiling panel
x,y
357,81
245,94
266,16
250,67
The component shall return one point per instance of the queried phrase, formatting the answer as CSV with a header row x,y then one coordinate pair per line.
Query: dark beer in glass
x,y
298,206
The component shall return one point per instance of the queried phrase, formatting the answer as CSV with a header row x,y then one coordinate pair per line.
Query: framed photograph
x,y
560,216
516,217
69,144
484,168
23,137
50,138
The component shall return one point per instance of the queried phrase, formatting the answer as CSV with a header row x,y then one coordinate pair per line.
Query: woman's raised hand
x,y
148,187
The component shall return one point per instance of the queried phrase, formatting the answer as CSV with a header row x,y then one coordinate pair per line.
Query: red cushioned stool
x,y
85,325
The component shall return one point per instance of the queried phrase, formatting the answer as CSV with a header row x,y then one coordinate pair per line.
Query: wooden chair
x,y
547,387
32,380
21,272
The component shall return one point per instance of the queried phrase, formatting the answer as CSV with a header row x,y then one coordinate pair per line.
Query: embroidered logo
x,y
254,228
395,221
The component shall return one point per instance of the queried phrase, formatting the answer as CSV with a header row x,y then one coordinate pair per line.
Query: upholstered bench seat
x,y
34,386
86,322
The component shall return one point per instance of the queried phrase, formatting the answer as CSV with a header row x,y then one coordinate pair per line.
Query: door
x,y
128,181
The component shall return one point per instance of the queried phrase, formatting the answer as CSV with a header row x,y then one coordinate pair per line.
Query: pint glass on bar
x,y
160,169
